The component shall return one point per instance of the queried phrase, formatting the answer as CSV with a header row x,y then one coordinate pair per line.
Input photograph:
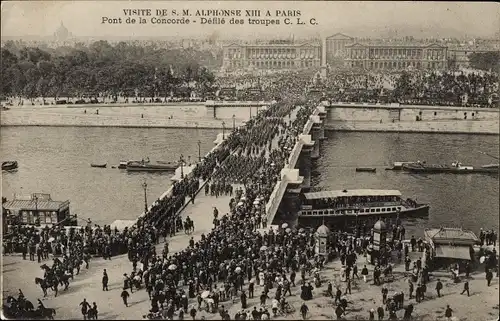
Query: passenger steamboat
x,y
345,207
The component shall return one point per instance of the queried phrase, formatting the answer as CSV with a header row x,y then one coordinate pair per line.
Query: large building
x,y
336,48
390,55
273,55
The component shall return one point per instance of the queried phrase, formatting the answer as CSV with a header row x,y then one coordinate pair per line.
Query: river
x,y
56,160
467,201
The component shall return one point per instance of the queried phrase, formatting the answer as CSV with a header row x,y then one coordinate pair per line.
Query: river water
x,y
56,160
467,201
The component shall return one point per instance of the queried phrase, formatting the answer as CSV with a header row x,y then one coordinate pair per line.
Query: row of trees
x,y
485,61
102,69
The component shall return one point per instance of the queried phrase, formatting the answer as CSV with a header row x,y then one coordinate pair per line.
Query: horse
x,y
43,284
64,280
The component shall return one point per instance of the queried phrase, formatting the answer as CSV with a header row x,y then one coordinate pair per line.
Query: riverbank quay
x,y
366,117
135,117
340,116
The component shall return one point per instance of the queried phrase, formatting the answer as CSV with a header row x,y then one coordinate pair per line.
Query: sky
x,y
84,18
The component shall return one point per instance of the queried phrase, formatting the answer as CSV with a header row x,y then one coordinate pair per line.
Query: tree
x,y
485,60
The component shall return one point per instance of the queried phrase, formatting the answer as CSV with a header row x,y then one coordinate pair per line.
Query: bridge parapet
x,y
289,174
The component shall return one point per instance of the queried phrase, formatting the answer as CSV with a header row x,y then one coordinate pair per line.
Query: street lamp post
x,y
234,125
181,160
37,217
145,187
223,128
199,151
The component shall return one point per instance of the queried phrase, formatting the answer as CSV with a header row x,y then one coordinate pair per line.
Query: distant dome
x,y
380,225
323,230
62,33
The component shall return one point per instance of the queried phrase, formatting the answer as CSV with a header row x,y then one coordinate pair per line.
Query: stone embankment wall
x,y
137,116
404,119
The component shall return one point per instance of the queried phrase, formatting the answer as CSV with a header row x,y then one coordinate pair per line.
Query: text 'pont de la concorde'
x,y
209,17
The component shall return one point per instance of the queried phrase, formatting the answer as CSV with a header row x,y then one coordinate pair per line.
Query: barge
x,y
348,207
147,167
454,168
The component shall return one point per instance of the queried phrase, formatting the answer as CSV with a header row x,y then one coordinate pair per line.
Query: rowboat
x,y
366,169
9,165
99,165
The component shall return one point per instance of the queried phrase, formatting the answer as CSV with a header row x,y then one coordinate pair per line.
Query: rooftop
x,y
395,44
37,201
350,193
447,233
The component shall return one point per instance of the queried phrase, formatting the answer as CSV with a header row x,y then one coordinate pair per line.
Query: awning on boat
x,y
454,252
121,224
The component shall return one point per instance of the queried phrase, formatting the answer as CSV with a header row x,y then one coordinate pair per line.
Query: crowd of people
x,y
240,259
465,89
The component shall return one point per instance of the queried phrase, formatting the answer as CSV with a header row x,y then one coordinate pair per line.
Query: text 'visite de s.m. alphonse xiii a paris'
x,y
210,17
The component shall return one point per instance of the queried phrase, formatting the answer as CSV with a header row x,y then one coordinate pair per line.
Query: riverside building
x,y
390,55
273,55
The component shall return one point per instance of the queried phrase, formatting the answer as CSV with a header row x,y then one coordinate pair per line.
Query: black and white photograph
x,y
250,160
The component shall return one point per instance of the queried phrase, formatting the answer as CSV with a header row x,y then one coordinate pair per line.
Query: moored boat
x,y
99,165
352,206
9,165
454,168
166,163
397,166
145,167
123,164
366,169
490,166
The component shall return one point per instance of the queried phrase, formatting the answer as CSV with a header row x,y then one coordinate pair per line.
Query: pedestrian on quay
x,y
448,313
364,273
348,288
85,306
439,287
410,289
466,288
489,277
303,310
380,312
329,290
93,312
355,271
105,280
371,315
125,295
